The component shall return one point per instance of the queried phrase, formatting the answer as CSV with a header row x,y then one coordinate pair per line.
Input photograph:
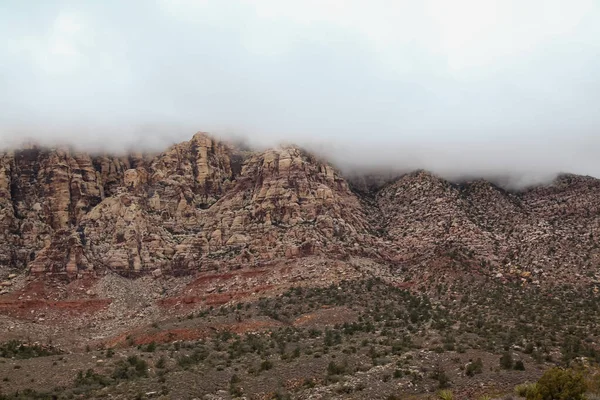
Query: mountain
x,y
213,271
206,205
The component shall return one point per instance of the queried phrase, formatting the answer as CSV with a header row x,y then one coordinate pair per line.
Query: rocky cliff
x,y
200,204
205,204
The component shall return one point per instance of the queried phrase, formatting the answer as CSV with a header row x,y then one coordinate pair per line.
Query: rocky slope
x,y
206,205
542,233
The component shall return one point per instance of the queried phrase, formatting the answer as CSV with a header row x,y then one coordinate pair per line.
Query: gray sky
x,y
471,87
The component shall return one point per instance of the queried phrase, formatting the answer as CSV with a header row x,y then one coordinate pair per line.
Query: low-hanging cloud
x,y
465,88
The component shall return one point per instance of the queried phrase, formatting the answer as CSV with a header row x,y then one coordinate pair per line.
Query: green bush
x,y
559,384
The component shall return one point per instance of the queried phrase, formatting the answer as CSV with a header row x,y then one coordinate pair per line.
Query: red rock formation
x,y
203,204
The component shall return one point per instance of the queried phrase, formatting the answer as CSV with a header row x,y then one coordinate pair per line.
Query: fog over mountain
x,y
465,89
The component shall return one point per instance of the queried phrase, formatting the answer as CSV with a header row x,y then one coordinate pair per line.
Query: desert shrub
x,y
526,389
529,349
234,389
133,368
336,369
559,384
199,355
90,378
445,395
593,384
21,351
475,367
161,362
266,365
519,366
28,394
151,347
506,361
440,376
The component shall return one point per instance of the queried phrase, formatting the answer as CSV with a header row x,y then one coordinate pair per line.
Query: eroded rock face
x,y
73,212
9,227
204,205
198,205
44,192
285,203
187,178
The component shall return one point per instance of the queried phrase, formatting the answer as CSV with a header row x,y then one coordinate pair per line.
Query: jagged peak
x,y
205,139
202,135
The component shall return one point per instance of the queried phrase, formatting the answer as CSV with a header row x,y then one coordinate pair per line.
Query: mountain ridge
x,y
205,204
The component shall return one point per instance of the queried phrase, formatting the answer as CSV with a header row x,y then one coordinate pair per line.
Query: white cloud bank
x,y
459,87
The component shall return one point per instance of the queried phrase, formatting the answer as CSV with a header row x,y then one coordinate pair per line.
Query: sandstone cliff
x,y
205,204
200,204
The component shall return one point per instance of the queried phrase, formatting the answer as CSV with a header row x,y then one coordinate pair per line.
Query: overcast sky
x,y
459,87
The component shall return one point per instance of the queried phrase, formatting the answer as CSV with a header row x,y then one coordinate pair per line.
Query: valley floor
x,y
208,337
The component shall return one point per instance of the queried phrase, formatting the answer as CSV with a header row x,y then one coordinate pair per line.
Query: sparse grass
x,y
445,395
526,389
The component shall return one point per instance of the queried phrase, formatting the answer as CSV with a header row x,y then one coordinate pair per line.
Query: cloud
x,y
463,88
